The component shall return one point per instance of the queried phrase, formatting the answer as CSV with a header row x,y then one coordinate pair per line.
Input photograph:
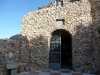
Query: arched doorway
x,y
61,49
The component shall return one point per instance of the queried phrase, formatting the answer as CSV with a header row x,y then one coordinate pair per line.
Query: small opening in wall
x,y
63,20
62,3
59,2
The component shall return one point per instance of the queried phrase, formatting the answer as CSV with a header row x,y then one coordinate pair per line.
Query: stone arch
x,y
61,49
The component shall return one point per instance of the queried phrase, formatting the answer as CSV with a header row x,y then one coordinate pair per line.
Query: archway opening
x,y
61,49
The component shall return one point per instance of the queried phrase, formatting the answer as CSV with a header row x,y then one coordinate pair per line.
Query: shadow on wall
x,y
35,53
39,51
87,48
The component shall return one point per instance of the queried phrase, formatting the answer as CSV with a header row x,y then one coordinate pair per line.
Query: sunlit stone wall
x,y
78,21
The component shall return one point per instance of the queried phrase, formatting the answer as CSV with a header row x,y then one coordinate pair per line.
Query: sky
x,y
11,13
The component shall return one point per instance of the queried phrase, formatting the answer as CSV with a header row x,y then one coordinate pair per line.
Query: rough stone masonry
x,y
81,20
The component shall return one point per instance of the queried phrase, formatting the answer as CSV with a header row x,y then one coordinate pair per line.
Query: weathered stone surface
x,y
81,19
78,21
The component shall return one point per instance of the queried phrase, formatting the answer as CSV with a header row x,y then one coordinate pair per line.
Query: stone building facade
x,y
76,21
81,18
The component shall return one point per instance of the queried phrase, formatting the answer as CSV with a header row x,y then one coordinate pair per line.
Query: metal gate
x,y
55,52
60,55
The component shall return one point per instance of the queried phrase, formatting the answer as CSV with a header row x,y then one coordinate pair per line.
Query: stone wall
x,y
96,24
24,54
79,19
